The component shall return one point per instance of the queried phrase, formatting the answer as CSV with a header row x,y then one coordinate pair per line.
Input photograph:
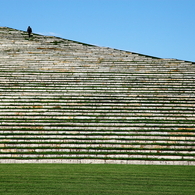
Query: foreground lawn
x,y
57,179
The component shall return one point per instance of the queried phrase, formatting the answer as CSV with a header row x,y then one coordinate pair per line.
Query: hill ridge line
x,y
79,42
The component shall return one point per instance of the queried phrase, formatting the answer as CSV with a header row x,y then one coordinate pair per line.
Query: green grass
x,y
86,179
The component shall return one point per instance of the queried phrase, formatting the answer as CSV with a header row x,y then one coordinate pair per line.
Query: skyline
x,y
159,28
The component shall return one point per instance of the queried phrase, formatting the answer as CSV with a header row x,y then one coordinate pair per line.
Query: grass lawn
x,y
87,179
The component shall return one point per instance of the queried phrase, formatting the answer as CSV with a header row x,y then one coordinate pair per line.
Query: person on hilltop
x,y
29,30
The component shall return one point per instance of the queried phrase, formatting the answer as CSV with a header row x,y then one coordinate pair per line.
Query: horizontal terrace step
x,y
98,99
103,119
98,87
96,116
141,132
94,151
96,156
95,136
141,129
98,141
115,146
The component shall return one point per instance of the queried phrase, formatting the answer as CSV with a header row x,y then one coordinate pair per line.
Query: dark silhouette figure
x,y
29,30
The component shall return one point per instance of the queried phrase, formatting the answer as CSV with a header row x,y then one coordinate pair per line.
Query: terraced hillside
x,y
68,102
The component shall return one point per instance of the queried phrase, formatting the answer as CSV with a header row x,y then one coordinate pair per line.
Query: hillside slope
x,y
68,102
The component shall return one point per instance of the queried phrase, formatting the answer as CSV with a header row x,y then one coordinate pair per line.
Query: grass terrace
x,y
63,101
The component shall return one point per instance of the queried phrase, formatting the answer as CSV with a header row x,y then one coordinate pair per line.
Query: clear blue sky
x,y
161,28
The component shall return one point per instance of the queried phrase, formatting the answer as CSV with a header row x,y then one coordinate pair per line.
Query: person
x,y
29,30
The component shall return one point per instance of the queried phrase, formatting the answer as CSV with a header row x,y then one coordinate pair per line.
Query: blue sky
x,y
161,28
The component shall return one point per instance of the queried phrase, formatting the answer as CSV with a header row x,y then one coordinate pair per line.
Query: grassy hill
x,y
63,101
